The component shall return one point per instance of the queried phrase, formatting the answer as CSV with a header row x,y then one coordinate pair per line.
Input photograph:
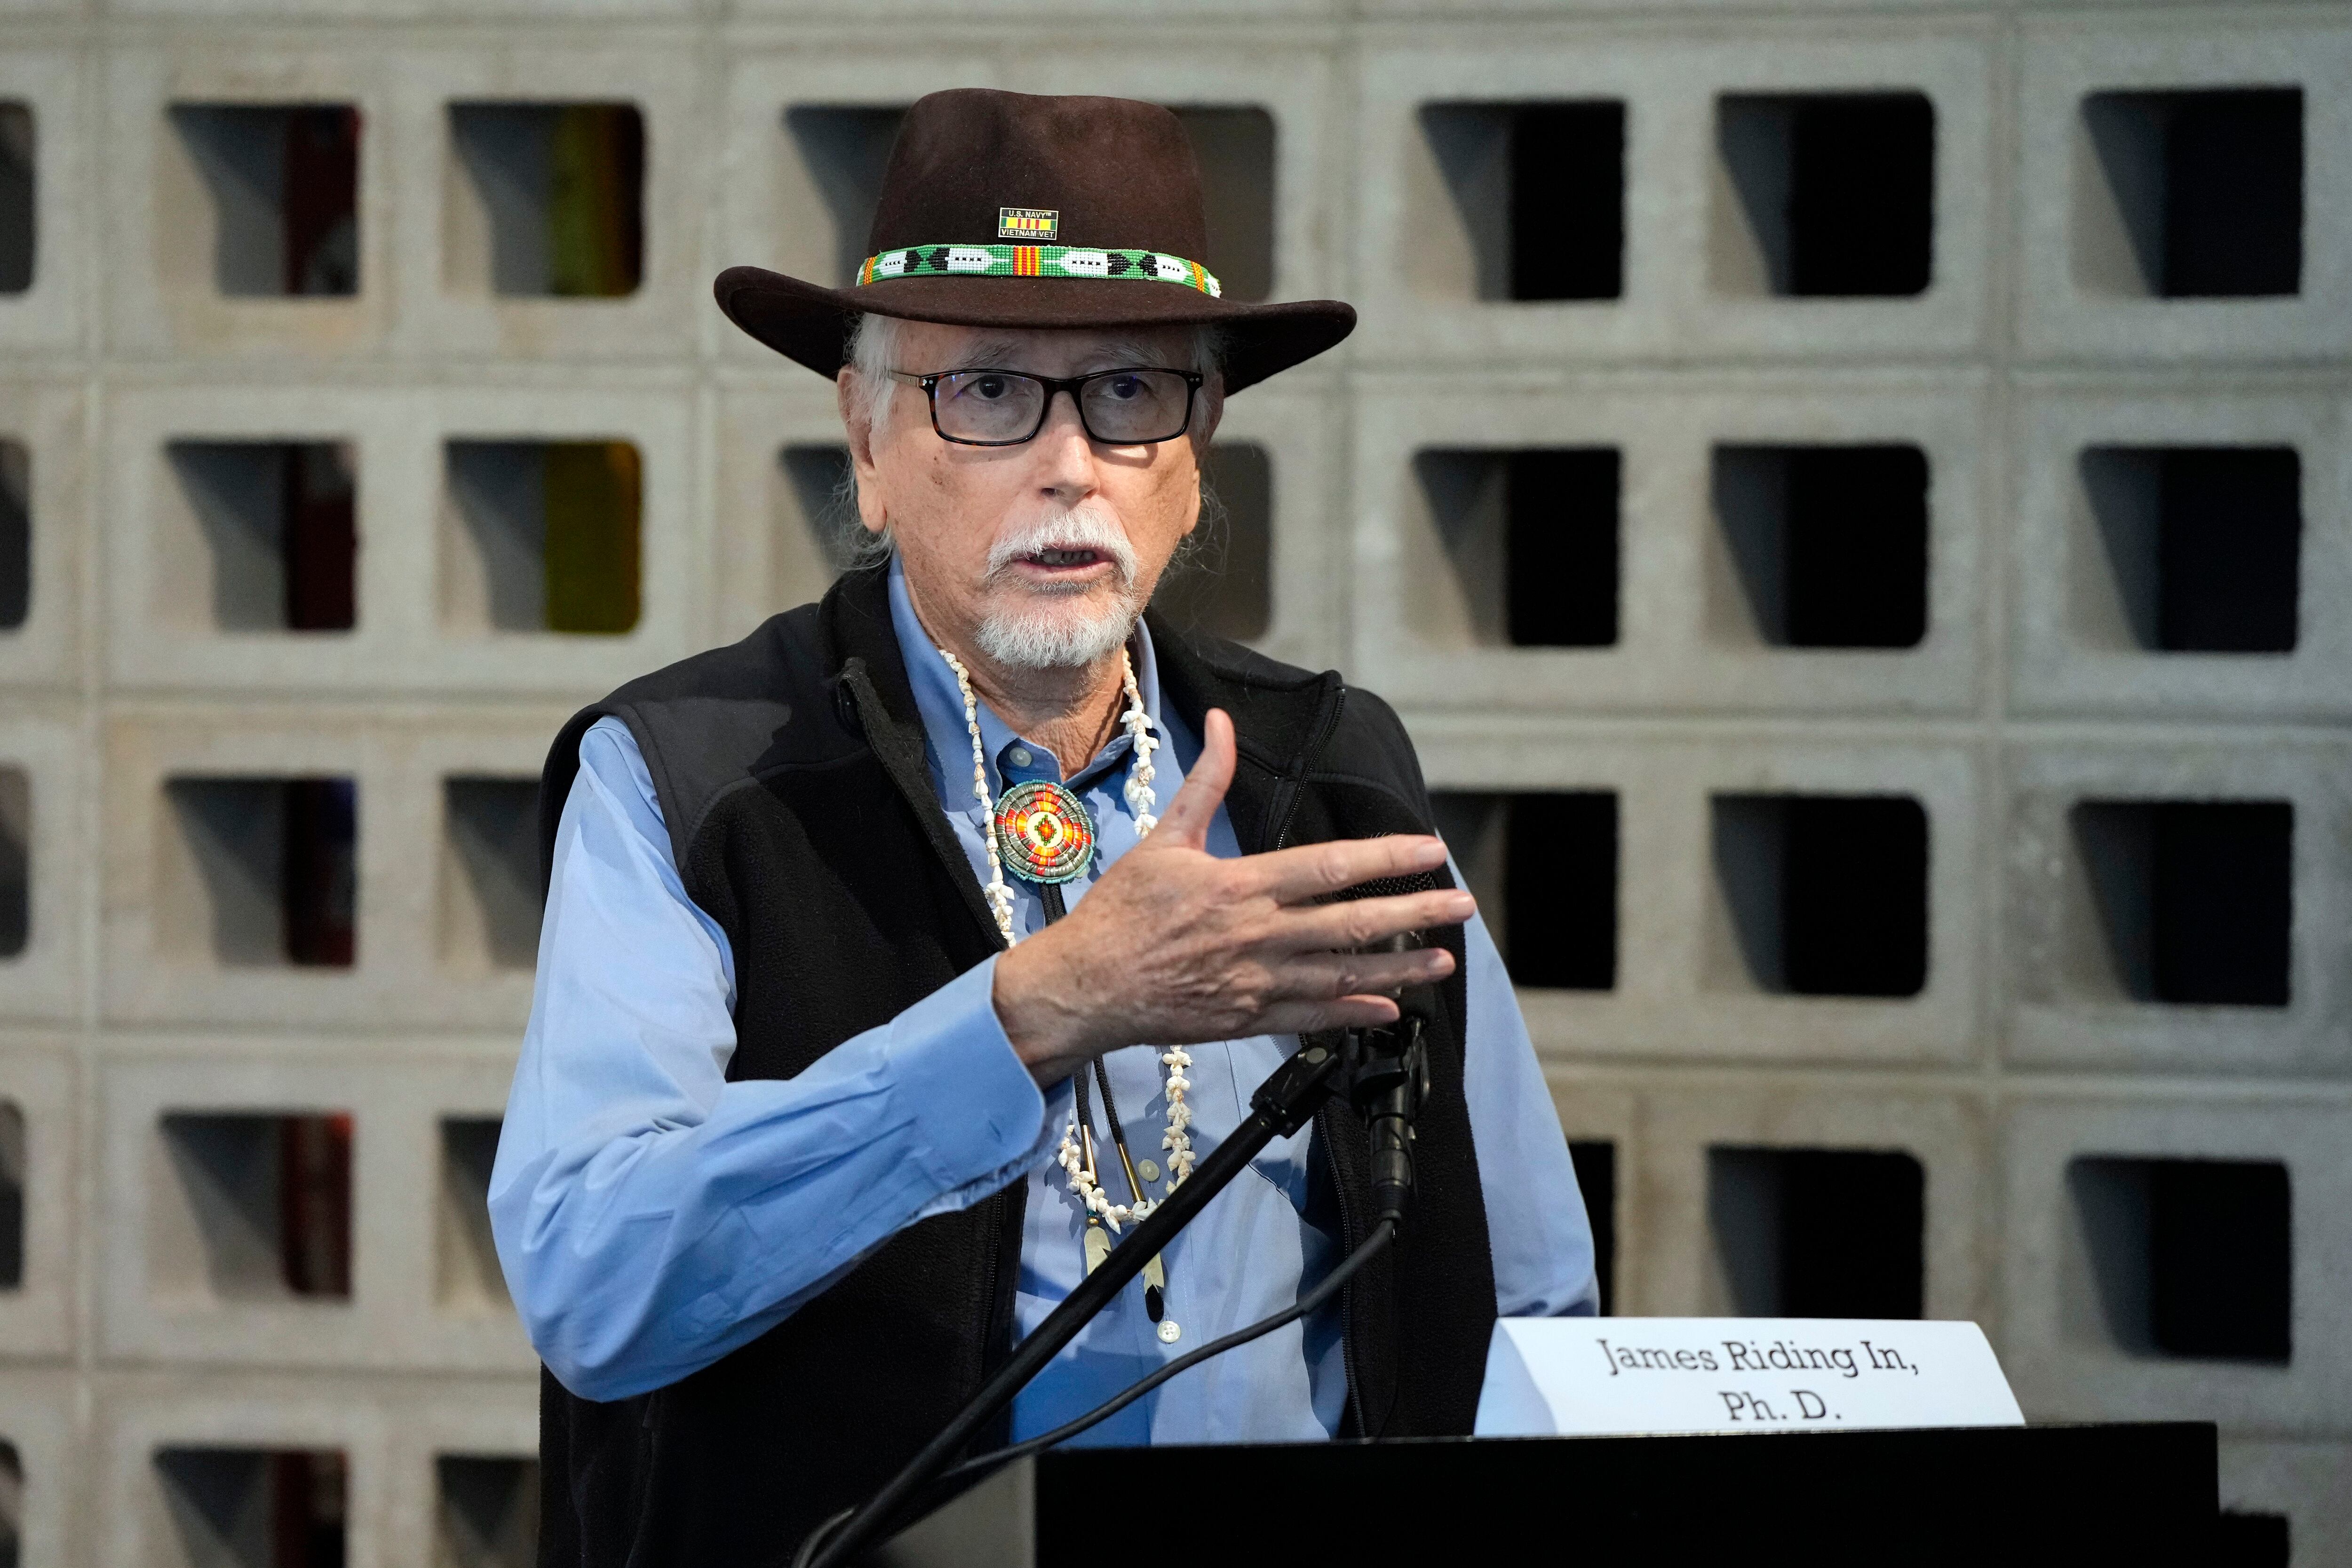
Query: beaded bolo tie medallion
x,y
1044,833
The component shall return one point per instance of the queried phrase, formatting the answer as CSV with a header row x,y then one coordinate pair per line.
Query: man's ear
x,y
850,397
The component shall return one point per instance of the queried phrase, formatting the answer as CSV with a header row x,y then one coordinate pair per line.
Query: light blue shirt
x,y
651,1217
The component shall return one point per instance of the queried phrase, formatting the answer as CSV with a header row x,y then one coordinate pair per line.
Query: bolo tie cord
x,y
1155,1296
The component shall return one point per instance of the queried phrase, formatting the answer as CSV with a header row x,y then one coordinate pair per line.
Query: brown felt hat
x,y
1003,209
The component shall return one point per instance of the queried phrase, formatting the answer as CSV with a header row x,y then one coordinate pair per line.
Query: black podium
x,y
2139,1494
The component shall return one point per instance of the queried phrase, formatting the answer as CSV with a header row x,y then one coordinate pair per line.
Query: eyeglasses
x,y
1134,407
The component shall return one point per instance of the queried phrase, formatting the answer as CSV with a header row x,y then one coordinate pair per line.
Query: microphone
x,y
1389,1081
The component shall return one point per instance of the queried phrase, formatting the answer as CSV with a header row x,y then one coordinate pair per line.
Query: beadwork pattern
x,y
1038,261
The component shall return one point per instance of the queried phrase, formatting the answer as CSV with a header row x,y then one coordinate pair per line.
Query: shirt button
x,y
1020,756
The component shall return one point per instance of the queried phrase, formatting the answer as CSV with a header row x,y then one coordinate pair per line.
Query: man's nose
x,y
1063,449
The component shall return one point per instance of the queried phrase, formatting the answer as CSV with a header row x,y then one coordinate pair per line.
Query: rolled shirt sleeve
x,y
650,1216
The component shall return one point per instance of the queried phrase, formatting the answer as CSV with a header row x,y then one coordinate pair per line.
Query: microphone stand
x,y
1285,1103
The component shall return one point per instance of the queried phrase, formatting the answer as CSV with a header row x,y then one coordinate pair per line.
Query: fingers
x,y
1362,921
1188,817
1293,876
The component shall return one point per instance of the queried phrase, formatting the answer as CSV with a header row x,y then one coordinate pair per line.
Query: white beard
x,y
1059,629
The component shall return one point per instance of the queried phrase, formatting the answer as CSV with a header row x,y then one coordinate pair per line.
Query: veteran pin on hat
x,y
1005,209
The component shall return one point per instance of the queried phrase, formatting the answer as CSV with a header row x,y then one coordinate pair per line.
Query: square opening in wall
x,y
2183,1257
2194,899
1222,584
257,1508
257,1207
284,183
1823,895
1596,1178
489,873
817,511
279,524
2253,1541
19,187
1234,145
542,536
12,1505
1533,201
470,1280
1825,195
489,1512
1829,544
13,1169
2190,195
261,871
547,200
15,534
16,861
1519,548
1544,869
832,182
1818,1233
2204,544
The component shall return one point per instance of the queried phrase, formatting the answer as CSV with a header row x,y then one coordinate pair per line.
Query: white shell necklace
x,y
1075,1154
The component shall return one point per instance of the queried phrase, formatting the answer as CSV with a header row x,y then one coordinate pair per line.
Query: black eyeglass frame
x,y
1054,385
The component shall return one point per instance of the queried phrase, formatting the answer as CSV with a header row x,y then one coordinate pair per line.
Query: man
x,y
885,972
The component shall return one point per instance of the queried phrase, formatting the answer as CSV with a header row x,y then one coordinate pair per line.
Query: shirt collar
x,y
940,703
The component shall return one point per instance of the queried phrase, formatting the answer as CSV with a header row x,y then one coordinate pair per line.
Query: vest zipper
x,y
1324,725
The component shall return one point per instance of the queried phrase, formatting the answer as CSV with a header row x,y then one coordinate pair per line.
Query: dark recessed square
x,y
2205,543
562,188
1540,189
278,863
469,1278
13,1168
491,907
1234,146
1559,888
271,1197
280,520
16,861
2252,1540
1836,192
1596,1178
1827,894
846,150
284,180
1819,1233
2196,897
19,187
2205,187
258,1508
1830,543
1533,537
553,529
489,1513
12,1505
15,534
1223,582
2189,1258
1560,508
1544,868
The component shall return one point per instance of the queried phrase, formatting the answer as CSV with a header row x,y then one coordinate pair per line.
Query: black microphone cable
x,y
1313,1301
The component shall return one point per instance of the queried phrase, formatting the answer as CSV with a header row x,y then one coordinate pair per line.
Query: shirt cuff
x,y
972,1104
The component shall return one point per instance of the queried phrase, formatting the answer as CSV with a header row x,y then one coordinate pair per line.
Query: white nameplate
x,y
1602,1376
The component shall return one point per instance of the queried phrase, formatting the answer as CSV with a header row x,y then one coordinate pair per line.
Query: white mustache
x,y
1080,527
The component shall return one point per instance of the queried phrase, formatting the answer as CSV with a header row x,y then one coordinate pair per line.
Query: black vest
x,y
790,771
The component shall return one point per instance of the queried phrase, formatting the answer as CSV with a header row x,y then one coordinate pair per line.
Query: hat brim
x,y
810,325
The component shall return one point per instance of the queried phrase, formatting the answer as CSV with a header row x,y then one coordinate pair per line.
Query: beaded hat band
x,y
1037,261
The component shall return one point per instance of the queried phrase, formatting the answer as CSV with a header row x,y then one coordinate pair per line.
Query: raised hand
x,y
1174,946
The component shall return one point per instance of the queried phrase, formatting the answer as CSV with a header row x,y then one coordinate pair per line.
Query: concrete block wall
x,y
144,1353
